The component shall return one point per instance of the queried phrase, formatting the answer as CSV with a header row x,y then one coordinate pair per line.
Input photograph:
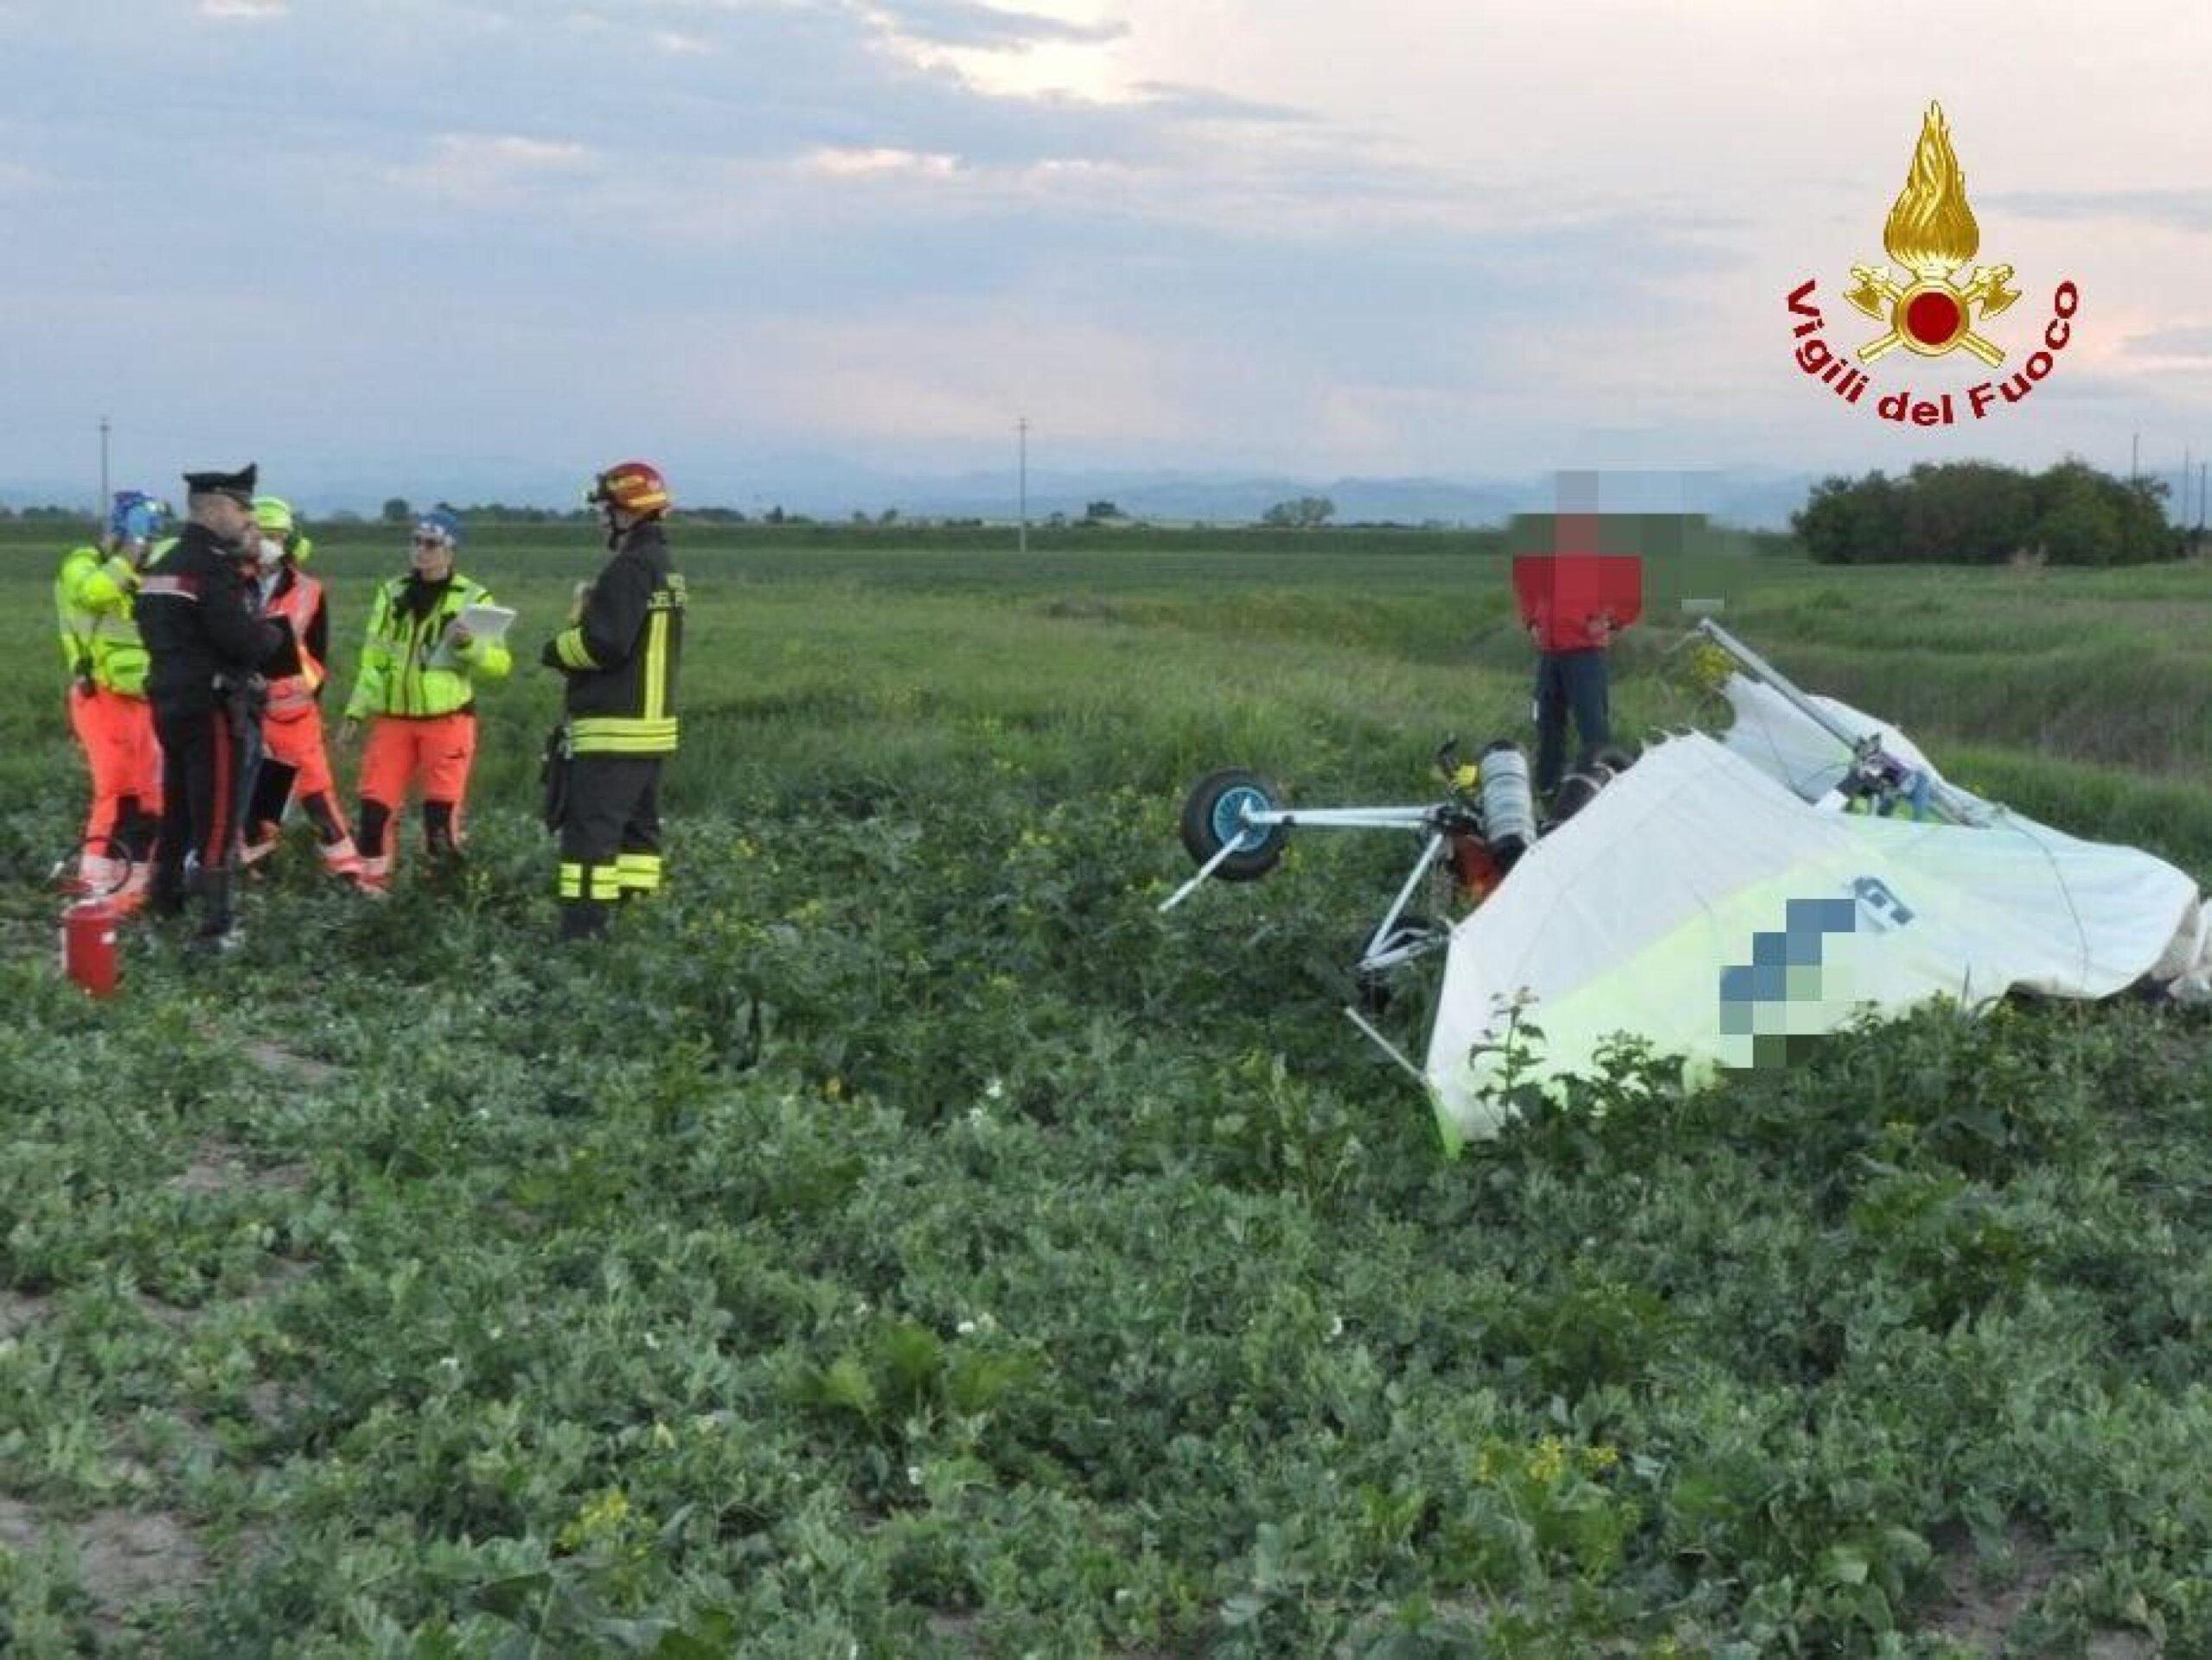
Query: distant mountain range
x,y
1753,501
1754,498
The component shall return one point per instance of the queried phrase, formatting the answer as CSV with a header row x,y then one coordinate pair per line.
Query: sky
x,y
476,246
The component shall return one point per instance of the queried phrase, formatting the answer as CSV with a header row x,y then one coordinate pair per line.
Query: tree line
x,y
1977,512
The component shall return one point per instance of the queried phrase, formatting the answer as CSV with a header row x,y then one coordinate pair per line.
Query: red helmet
x,y
634,486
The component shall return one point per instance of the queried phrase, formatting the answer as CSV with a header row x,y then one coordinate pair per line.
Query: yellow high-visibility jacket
x,y
402,671
99,635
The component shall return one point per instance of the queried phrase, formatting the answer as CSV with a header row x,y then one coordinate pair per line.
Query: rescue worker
x,y
108,711
620,656
417,689
207,648
295,761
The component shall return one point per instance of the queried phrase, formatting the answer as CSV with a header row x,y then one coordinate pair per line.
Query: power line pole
x,y
2134,479
99,508
1021,432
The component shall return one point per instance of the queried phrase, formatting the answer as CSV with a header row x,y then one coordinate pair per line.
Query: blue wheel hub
x,y
1229,826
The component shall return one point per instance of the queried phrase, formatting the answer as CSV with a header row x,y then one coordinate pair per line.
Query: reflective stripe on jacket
x,y
100,635
622,654
403,670
297,599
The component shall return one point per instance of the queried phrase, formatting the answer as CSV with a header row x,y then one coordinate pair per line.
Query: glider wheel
x,y
1213,817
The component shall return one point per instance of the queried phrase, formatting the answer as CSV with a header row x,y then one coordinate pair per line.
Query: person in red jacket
x,y
296,761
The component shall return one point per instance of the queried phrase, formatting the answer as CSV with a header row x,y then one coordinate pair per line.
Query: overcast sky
x,y
458,240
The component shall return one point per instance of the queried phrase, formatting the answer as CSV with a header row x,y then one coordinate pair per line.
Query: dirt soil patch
x,y
125,1559
19,1312
217,1167
274,1058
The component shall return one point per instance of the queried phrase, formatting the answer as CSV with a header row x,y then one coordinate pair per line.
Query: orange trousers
x,y
295,740
433,754
117,735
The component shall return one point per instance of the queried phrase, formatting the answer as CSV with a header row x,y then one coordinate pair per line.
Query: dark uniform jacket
x,y
198,615
620,657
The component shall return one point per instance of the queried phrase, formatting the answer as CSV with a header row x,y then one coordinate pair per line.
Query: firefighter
x,y
108,711
207,649
417,689
619,656
295,761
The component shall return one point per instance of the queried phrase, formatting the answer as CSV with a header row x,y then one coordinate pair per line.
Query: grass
x,y
902,1241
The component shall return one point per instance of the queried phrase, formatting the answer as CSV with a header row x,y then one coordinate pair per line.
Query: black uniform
x,y
208,644
620,658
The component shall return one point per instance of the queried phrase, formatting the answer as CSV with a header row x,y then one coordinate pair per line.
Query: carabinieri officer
x,y
207,648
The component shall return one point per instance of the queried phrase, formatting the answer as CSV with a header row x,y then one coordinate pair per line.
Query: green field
x,y
901,1241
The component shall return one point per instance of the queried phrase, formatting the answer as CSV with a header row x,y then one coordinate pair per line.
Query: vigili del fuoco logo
x,y
1921,304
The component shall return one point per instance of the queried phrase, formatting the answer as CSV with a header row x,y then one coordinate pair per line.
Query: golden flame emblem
x,y
1931,233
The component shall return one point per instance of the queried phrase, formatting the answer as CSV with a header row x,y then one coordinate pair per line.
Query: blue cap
x,y
443,523
134,516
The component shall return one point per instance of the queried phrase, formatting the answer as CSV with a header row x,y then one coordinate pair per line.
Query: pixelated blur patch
x,y
1787,973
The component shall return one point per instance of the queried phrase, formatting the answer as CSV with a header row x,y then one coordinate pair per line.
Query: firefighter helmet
x,y
635,487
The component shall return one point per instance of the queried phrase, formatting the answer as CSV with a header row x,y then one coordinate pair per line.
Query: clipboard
x,y
485,622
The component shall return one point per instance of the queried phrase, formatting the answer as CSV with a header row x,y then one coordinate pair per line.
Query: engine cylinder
x,y
1508,804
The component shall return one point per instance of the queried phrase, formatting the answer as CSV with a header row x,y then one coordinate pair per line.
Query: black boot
x,y
165,893
217,931
583,919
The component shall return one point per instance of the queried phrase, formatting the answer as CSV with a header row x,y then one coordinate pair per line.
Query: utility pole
x,y
99,508
2134,478
1021,436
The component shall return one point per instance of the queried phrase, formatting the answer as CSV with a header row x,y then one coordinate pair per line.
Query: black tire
x,y
1207,826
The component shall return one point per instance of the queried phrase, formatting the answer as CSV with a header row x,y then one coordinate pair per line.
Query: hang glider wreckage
x,y
1723,897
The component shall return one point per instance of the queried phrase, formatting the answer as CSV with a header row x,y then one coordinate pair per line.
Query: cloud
x,y
953,375
2181,210
876,163
2188,342
963,23
1202,104
476,167
1408,234
1003,54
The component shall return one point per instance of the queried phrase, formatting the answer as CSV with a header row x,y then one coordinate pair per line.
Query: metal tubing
x,y
1942,796
1766,671
1344,818
1387,1047
1205,871
1429,855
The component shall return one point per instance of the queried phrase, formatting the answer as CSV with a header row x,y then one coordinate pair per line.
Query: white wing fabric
x,y
1702,903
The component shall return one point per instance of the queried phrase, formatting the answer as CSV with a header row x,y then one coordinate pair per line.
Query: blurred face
x,y
230,519
430,557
